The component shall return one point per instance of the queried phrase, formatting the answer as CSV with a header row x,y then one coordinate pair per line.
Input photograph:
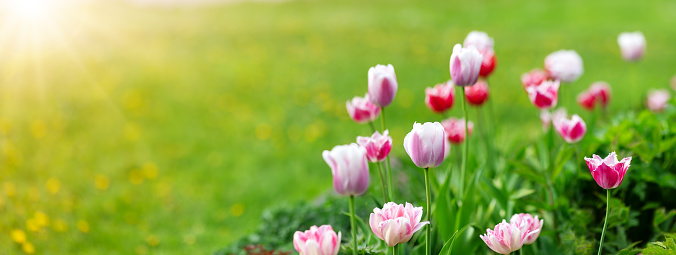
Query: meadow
x,y
133,129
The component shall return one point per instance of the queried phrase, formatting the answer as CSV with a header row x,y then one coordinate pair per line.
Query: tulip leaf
x,y
661,216
521,193
564,155
630,250
448,246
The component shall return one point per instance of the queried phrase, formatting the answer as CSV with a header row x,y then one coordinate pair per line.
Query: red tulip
x,y
477,94
440,98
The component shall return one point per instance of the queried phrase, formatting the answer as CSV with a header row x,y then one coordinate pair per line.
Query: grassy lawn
x,y
160,130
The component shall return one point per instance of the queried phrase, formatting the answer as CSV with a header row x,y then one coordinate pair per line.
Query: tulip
x,y
382,84
601,91
533,224
425,144
506,237
571,130
587,100
441,97
480,40
487,64
608,173
349,168
658,99
476,95
545,95
564,65
317,241
377,146
533,78
455,129
396,223
465,65
632,45
362,110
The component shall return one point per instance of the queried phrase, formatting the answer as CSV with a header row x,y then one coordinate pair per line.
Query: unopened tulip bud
x,y
425,144
477,94
382,84
441,97
465,65
564,65
632,45
361,109
349,168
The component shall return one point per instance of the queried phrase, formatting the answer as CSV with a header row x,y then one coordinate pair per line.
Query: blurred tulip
x,y
564,65
455,129
608,173
533,224
487,64
544,96
441,97
477,94
465,65
506,238
658,99
533,78
425,144
601,91
571,130
396,223
349,168
382,85
586,100
362,110
480,40
377,146
317,241
632,45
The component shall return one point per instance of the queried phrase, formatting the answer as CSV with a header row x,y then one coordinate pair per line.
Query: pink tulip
x,y
658,99
455,129
534,225
477,94
425,144
317,241
362,110
349,168
608,173
601,91
377,146
382,85
396,223
571,130
533,78
545,95
586,100
564,65
480,40
632,45
465,65
441,97
506,238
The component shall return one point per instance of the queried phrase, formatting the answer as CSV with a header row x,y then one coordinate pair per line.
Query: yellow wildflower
x,y
18,236
28,248
53,185
83,226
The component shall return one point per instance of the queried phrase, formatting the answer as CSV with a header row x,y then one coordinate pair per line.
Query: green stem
x,y
605,224
373,127
395,249
548,171
388,169
428,230
466,147
354,229
521,251
382,182
382,118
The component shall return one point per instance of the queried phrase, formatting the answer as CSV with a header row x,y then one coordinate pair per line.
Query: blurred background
x,y
167,126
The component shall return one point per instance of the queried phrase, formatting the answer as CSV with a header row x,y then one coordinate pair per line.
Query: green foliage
x,y
667,247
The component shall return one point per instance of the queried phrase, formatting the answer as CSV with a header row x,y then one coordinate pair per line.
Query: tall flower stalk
x,y
605,223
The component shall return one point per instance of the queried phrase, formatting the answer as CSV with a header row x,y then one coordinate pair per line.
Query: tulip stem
x,y
382,182
466,147
395,249
354,230
428,231
387,160
373,127
605,224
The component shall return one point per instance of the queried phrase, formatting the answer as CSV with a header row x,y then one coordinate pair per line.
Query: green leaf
x,y
561,158
448,246
630,250
661,216
521,193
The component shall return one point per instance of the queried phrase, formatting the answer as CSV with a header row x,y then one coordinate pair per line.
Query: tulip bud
x,y
425,144
455,129
632,45
586,100
377,146
382,85
533,224
487,64
465,65
544,96
362,110
601,91
441,97
658,99
533,78
396,223
317,241
608,173
571,130
349,168
480,40
506,237
564,65
477,94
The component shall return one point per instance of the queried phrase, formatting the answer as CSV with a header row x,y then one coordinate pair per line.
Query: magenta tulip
x,y
317,241
361,109
533,78
455,129
601,91
477,94
564,65
658,99
586,100
533,224
377,146
465,65
544,96
571,130
382,84
506,237
425,144
441,97
632,45
608,173
396,223
349,168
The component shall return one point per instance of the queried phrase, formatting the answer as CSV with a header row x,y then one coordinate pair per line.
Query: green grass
x,y
234,103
